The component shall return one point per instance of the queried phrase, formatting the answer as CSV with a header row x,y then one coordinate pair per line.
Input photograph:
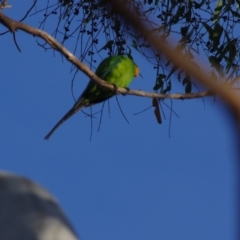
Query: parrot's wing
x,y
107,65
103,70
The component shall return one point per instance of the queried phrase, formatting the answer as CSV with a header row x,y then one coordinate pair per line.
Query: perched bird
x,y
118,70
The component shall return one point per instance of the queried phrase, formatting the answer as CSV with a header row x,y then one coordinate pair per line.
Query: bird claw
x,y
115,88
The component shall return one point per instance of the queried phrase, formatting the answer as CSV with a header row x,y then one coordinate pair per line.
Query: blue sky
x,y
131,181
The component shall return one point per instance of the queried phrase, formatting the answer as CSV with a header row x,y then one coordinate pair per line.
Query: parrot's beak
x,y
136,71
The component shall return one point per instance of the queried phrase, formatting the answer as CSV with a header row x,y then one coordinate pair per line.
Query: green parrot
x,y
118,70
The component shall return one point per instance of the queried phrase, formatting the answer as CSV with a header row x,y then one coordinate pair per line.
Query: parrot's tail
x,y
62,120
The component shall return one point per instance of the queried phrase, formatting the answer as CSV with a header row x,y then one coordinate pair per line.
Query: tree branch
x,y
14,25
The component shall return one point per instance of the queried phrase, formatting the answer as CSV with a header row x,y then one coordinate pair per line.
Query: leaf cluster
x,y
205,28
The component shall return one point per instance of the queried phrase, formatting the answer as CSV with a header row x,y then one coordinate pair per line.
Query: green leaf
x,y
66,2
218,10
184,30
168,88
180,11
199,5
232,51
174,69
135,44
215,63
187,81
188,88
217,33
209,29
188,15
189,35
157,112
223,49
235,13
159,81
178,14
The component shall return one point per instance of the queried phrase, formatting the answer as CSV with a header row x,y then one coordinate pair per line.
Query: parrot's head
x,y
136,71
